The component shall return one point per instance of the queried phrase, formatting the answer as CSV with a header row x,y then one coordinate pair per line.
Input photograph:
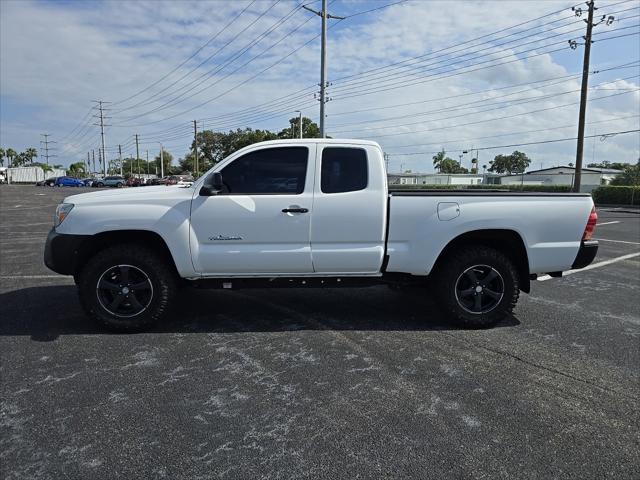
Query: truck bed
x,y
422,222
400,192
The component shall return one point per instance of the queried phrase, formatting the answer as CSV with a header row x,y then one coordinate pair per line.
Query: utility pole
x,y
608,19
299,121
46,143
195,148
120,158
137,155
161,162
323,61
386,160
102,118
93,158
89,163
147,162
583,97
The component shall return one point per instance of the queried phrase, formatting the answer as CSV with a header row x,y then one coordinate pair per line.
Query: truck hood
x,y
136,194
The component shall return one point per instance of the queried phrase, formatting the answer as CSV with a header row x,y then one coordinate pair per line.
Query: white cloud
x,y
56,58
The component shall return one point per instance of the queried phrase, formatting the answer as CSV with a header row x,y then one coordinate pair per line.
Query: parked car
x,y
49,182
158,181
88,182
337,224
179,180
133,182
113,181
68,182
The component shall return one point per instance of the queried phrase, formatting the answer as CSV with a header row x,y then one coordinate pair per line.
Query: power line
x,y
374,9
211,39
493,119
237,85
476,92
150,100
541,142
470,105
447,57
200,80
442,143
466,42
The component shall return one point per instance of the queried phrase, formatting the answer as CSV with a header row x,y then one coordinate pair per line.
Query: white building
x,y
434,178
30,174
591,177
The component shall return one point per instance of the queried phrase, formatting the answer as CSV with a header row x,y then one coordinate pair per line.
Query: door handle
x,y
295,210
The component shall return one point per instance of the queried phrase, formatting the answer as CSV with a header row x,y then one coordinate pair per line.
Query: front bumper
x,y
586,254
61,252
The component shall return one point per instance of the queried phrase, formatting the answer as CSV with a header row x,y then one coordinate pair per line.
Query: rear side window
x,y
343,170
275,171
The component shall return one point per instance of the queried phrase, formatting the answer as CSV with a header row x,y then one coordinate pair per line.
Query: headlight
x,y
62,210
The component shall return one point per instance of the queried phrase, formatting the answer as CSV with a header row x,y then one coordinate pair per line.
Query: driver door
x,y
260,222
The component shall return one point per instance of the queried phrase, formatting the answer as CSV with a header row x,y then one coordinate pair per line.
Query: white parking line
x,y
32,277
604,263
607,223
616,241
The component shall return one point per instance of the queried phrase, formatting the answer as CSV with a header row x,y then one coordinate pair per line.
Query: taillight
x,y
591,225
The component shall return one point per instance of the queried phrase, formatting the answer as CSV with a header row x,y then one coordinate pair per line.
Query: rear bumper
x,y
61,252
586,254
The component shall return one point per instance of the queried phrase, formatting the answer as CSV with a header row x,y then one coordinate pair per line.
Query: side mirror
x,y
212,185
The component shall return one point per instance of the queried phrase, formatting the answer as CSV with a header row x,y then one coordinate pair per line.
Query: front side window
x,y
275,171
343,170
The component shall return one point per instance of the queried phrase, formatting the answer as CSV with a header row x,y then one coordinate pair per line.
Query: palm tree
x,y
77,169
10,154
438,159
19,159
30,154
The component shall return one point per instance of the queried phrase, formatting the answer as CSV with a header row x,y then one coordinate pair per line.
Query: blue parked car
x,y
68,182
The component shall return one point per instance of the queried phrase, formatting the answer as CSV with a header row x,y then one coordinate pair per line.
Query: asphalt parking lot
x,y
334,383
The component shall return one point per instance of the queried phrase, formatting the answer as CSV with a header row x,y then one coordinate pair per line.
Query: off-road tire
x,y
450,271
155,266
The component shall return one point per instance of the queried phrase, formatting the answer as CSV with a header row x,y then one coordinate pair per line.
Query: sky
x,y
417,76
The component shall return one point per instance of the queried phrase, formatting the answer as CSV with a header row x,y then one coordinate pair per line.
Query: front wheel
x,y
477,286
119,185
127,288
100,185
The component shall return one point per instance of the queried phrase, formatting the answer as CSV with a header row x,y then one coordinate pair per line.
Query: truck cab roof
x,y
330,141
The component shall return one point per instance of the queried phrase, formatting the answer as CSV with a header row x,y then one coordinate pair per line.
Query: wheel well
x,y
100,241
506,241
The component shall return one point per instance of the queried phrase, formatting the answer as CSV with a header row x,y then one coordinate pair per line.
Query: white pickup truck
x,y
316,212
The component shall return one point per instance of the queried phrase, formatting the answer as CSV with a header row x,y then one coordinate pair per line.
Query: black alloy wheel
x,y
124,291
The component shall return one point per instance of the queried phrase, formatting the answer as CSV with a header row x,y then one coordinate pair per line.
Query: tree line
x,y
19,159
216,146
516,162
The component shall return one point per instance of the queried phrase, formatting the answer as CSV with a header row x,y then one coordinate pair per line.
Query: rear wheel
x,y
100,185
477,286
127,287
